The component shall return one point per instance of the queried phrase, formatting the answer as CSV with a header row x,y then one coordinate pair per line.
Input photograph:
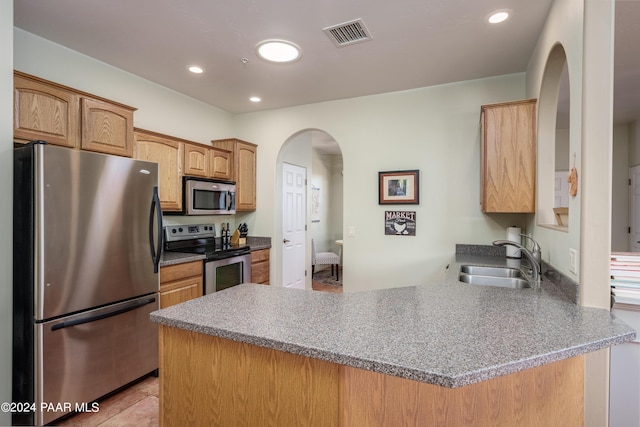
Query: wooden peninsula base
x,y
210,381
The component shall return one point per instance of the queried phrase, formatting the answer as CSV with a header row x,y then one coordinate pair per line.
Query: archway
x,y
319,153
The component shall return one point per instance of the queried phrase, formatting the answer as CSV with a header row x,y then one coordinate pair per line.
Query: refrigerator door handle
x,y
156,250
90,319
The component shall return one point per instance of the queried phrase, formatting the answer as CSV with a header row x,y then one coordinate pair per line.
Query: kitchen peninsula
x,y
447,353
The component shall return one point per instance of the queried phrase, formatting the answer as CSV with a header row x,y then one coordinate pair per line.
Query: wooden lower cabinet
x,y
260,266
225,382
180,283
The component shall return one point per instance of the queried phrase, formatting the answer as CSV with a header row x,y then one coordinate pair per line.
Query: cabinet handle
x,y
287,241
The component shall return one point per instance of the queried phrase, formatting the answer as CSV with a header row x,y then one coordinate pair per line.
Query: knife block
x,y
237,240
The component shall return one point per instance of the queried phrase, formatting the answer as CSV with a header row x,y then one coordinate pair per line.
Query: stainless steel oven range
x,y
225,265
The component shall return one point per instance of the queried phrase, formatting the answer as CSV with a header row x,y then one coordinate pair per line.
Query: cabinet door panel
x,y
167,154
188,289
221,164
246,178
45,112
107,128
196,160
508,157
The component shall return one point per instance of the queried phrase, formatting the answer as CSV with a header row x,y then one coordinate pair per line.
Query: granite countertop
x,y
172,258
447,333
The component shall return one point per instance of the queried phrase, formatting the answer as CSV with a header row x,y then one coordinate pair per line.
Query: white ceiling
x,y
415,43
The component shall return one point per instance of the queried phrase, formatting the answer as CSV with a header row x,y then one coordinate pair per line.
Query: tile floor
x,y
137,405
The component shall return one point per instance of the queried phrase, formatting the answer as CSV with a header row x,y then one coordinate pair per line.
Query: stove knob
x,y
173,231
180,229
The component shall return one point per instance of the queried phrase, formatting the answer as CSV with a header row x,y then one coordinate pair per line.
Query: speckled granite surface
x,y
448,333
257,243
171,258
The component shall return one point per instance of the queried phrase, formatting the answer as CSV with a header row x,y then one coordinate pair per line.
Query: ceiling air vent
x,y
348,33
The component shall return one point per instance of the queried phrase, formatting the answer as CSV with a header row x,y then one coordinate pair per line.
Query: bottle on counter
x,y
223,235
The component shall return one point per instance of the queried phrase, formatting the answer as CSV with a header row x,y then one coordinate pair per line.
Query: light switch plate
x,y
573,261
351,231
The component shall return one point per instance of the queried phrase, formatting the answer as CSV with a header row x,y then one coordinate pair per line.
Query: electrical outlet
x,y
573,261
351,231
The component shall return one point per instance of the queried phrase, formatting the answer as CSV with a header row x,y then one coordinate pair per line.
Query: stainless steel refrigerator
x,y
87,243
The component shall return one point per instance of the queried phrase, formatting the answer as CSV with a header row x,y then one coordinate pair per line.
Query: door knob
x,y
286,241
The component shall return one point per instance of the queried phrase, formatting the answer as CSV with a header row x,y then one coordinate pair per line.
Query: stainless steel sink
x,y
505,277
491,271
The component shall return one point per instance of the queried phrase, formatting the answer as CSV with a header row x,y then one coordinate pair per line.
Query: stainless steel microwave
x,y
204,196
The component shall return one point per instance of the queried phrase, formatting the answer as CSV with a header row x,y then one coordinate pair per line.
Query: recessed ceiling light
x,y
498,16
196,70
278,51
255,99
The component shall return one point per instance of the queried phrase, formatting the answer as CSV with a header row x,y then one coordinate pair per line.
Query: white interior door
x,y
634,206
293,225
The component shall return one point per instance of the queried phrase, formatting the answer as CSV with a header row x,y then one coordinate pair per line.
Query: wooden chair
x,y
324,258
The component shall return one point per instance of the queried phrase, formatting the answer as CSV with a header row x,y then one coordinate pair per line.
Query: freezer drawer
x,y
88,355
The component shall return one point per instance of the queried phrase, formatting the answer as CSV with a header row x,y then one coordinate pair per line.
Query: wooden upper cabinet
x,y
244,170
167,153
64,116
508,157
44,111
196,160
107,128
221,167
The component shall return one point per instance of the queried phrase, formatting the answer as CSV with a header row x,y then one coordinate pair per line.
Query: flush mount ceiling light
x,y
498,16
255,99
278,51
196,70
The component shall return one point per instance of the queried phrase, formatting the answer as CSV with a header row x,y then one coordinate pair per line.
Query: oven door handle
x,y
156,251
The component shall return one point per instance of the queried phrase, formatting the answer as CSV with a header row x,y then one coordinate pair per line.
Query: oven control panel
x,y
174,233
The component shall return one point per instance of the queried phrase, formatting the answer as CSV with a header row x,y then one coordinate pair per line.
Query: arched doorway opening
x,y
320,157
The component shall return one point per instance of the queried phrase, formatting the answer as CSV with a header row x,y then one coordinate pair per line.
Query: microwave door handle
x,y
156,251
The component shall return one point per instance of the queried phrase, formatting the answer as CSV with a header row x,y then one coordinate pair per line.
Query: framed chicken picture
x,y
399,187
399,223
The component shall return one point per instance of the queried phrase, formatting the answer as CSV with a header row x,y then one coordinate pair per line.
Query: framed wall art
x,y
399,187
399,223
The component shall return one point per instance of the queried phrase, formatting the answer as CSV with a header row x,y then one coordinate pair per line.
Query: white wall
x,y
585,29
435,130
326,176
6,193
620,189
159,109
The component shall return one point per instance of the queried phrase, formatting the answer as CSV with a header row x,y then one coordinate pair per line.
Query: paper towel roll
x,y
513,235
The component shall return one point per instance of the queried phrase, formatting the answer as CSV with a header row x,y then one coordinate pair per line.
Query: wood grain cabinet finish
x,y
260,266
167,152
196,160
221,167
508,157
180,283
44,111
224,383
64,116
244,170
107,128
